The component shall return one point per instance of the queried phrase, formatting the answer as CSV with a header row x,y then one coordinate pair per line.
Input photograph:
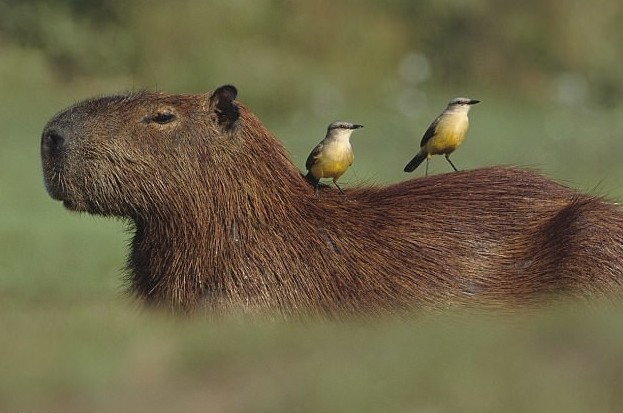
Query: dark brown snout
x,y
54,154
52,141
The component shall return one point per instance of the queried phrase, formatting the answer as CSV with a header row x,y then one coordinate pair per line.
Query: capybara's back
x,y
225,222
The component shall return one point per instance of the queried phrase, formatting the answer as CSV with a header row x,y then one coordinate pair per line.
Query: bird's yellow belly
x,y
330,168
447,138
444,144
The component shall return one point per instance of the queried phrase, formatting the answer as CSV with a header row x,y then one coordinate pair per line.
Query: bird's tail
x,y
416,161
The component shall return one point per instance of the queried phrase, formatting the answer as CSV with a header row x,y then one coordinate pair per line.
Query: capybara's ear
x,y
222,101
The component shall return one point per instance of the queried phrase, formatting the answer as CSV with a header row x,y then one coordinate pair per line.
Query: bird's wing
x,y
311,159
430,132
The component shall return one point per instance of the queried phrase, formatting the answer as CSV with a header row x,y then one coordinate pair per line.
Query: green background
x,y
550,80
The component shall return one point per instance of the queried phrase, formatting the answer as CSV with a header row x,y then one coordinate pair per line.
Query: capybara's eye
x,y
163,117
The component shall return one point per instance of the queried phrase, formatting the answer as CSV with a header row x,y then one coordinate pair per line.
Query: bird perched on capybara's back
x,y
224,222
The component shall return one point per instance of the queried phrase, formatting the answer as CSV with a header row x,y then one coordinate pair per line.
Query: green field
x,y
72,340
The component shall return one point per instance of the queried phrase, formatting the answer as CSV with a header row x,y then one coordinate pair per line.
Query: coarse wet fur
x,y
224,222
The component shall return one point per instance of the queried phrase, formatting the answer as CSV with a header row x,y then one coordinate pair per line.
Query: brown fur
x,y
224,221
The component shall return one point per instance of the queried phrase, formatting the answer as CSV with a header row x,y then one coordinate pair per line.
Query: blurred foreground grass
x,y
108,357
72,341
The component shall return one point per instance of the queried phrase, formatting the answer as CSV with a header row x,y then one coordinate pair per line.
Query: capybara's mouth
x,y
75,205
70,205
55,187
69,202
57,190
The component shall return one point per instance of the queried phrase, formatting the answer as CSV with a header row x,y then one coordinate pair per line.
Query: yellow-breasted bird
x,y
333,155
445,134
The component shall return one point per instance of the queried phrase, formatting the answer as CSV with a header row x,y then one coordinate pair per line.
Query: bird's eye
x,y
163,117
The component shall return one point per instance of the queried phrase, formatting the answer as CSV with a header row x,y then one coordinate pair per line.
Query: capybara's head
x,y
131,155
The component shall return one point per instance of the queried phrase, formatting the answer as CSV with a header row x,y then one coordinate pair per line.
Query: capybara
x,y
224,222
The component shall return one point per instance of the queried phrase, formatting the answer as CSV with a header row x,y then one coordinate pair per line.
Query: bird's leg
x,y
427,158
448,159
338,187
316,187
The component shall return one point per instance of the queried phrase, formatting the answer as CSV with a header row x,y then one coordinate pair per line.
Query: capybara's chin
x,y
60,189
73,203
79,206
225,222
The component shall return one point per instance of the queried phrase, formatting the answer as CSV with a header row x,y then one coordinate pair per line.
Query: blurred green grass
x,y
110,358
73,341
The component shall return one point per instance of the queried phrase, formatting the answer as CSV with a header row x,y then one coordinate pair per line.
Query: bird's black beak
x,y
473,102
356,126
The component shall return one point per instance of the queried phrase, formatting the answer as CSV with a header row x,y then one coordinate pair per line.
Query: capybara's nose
x,y
52,140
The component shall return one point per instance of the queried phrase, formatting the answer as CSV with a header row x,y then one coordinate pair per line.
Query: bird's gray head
x,y
341,130
461,101
338,124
